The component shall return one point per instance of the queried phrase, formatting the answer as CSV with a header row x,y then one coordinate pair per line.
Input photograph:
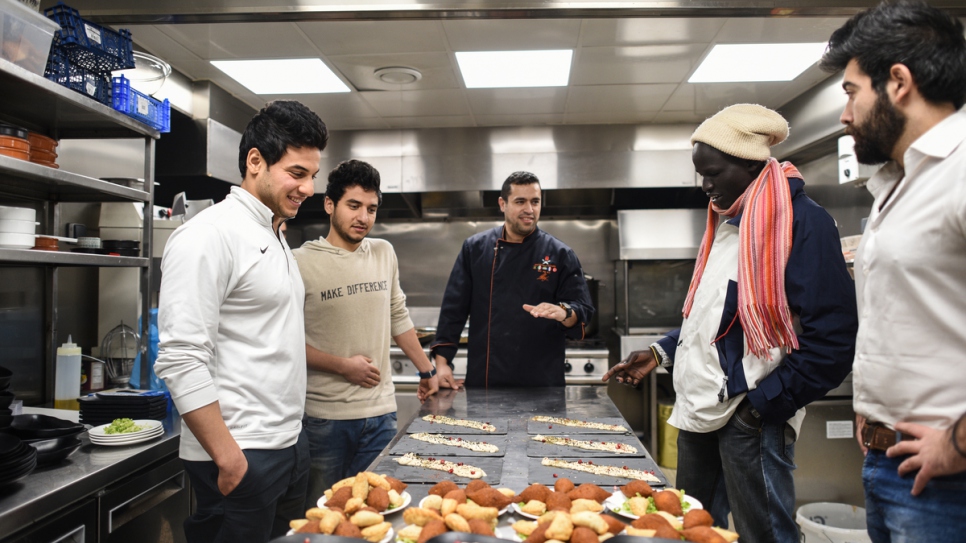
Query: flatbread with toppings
x,y
609,446
442,419
580,423
463,470
613,471
478,446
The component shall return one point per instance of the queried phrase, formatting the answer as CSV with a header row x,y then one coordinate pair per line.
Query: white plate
x,y
507,532
517,510
148,424
405,496
502,511
617,499
386,539
131,442
127,438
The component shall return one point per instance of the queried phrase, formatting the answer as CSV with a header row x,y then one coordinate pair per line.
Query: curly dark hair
x,y
925,39
279,125
352,173
517,178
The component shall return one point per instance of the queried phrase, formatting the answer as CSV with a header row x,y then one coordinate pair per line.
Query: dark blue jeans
x,y
894,515
270,494
746,471
342,448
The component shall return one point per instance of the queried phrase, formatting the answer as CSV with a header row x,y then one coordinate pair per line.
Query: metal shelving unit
x,y
43,106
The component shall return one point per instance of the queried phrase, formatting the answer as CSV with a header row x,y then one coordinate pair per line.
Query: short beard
x,y
877,136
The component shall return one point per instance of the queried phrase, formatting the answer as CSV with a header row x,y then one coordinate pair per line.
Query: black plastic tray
x,y
539,449
538,473
407,444
420,425
42,426
492,465
535,427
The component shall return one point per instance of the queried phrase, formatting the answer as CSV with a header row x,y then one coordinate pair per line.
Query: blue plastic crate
x,y
140,106
61,70
89,45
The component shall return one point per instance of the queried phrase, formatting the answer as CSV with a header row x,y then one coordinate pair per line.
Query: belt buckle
x,y
868,434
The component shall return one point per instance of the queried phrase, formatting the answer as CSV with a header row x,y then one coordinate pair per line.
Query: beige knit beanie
x,y
743,130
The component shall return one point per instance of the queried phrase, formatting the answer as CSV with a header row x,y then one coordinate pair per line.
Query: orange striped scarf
x,y
764,243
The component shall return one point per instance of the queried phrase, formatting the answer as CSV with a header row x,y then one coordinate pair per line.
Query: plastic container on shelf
x,y
140,106
67,376
61,70
25,36
42,142
90,45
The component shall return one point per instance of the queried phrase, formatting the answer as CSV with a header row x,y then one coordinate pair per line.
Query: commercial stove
x,y
585,363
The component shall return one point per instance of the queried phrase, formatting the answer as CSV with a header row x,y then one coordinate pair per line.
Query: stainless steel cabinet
x,y
77,524
149,507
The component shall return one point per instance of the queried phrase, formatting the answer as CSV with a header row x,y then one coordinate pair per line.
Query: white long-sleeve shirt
x,y
231,325
910,278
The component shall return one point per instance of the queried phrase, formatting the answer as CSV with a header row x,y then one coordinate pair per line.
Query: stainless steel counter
x,y
52,488
517,405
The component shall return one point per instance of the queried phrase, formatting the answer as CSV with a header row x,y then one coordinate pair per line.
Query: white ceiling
x,y
632,70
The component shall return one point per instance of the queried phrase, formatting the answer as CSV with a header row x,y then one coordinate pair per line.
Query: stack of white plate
x,y
17,227
150,429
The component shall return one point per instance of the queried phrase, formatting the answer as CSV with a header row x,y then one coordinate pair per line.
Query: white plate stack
x,y
17,227
150,429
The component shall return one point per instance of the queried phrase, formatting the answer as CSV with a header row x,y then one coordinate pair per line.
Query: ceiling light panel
x,y
732,63
283,76
514,69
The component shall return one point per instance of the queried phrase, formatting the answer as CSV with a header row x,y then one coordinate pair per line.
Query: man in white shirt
x,y
232,340
905,77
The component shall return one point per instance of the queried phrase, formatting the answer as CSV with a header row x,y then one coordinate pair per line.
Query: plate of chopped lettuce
x,y
125,432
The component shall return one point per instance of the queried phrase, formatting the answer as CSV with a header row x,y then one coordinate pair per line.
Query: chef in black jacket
x,y
525,293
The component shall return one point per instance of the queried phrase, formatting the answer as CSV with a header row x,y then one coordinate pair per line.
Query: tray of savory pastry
x,y
599,471
592,445
414,468
427,444
542,424
444,424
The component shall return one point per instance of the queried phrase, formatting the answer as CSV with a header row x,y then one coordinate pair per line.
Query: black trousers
x,y
270,494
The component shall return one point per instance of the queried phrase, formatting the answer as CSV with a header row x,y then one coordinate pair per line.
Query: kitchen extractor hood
x,y
660,234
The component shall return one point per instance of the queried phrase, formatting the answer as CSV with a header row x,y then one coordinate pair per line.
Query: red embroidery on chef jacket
x,y
545,267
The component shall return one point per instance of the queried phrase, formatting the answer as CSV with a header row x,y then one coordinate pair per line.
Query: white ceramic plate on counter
x,y
616,501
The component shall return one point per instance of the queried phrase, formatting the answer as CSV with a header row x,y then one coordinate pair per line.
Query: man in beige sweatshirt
x,y
353,306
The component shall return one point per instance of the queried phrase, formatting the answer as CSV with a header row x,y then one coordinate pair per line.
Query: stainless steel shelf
x,y
58,258
39,104
26,179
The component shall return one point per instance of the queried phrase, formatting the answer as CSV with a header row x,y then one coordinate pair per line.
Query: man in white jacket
x,y
232,336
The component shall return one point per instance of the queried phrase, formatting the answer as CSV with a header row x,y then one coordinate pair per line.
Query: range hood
x,y
660,234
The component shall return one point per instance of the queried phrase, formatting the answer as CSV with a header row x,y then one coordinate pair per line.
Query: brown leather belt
x,y
879,437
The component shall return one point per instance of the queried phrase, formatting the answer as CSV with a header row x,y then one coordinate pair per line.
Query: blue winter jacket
x,y
822,295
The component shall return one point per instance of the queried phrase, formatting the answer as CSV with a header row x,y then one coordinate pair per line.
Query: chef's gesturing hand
x,y
445,375
632,370
546,311
359,370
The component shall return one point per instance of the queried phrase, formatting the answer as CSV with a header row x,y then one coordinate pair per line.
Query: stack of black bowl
x,y
122,247
53,439
6,398
17,459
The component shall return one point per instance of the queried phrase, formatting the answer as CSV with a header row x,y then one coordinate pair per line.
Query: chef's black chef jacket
x,y
490,282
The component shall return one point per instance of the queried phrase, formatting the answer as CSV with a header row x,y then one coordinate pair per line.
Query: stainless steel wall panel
x,y
660,233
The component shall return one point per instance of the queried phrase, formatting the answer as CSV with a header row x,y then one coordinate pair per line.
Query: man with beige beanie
x,y
769,326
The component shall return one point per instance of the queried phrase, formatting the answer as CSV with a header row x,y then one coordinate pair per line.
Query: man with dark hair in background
x,y
905,77
524,292
353,306
232,340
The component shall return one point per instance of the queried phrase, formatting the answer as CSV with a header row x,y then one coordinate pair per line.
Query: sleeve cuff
x,y
661,356
402,326
195,399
